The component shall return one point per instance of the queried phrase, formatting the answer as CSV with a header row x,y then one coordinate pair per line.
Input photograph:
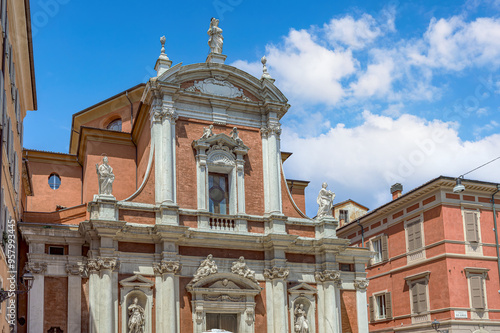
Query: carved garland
x,y
276,273
102,263
328,275
165,267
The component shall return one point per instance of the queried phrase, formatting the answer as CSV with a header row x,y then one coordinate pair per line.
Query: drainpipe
x,y
131,126
363,236
496,230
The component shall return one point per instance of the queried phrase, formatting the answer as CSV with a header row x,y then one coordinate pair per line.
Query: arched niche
x,y
305,295
140,288
224,293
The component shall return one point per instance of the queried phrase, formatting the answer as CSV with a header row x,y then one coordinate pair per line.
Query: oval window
x,y
115,125
54,181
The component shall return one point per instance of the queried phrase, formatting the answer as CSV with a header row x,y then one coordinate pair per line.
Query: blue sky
x,y
381,92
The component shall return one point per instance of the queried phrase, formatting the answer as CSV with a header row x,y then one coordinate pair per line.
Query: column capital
x,y
165,267
266,131
328,275
160,112
361,284
73,269
276,273
102,263
36,267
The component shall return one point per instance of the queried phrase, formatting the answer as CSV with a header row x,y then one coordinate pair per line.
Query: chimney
x,y
396,190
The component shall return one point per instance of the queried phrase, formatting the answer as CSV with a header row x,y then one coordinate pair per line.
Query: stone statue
x,y
207,132
235,136
136,319
301,324
240,267
216,40
324,200
105,176
206,268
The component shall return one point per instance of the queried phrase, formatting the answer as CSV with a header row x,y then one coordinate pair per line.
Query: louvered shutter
x,y
1,97
372,308
18,112
385,249
477,295
4,16
411,237
388,306
422,297
369,246
417,234
414,298
17,175
471,233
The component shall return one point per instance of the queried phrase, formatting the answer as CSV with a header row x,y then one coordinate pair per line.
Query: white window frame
x,y
477,313
380,303
415,254
379,256
473,248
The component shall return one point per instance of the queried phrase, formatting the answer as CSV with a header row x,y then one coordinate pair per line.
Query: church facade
x,y
171,213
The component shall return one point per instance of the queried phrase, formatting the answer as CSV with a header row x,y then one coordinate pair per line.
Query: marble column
x,y
278,277
101,287
74,298
330,317
361,305
271,160
36,297
167,306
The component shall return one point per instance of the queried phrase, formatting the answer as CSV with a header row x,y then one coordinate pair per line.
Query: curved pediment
x,y
225,282
216,80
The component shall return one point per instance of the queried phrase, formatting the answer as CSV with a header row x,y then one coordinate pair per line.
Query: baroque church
x,y
171,213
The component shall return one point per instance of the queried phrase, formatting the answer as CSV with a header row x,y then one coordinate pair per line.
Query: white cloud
x,y
352,33
308,70
376,80
359,161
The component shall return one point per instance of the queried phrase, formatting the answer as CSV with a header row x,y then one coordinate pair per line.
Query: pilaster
x,y
167,286
74,298
278,276
361,306
271,162
36,297
329,306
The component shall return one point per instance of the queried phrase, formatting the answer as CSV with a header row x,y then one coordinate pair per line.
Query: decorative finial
x,y
162,41
265,73
163,63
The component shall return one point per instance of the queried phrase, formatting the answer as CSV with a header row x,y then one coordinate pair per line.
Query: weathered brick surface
x,y
55,303
136,216
349,312
220,253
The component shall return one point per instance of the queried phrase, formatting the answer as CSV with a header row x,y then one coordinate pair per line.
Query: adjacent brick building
x,y
434,258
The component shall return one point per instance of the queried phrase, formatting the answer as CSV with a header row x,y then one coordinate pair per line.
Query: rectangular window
x,y
380,247
471,226
419,296
218,193
414,234
380,306
344,215
477,292
346,267
377,247
223,321
56,250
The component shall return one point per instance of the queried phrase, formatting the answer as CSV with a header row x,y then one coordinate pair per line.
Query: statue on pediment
x,y
105,176
207,132
136,320
215,33
325,201
240,267
235,136
207,267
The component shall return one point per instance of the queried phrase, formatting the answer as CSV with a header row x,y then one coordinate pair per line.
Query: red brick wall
x,y
85,305
136,216
260,310
136,247
55,303
186,319
220,253
349,312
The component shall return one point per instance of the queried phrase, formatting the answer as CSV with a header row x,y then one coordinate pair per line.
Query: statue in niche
x,y
235,136
301,324
136,319
215,33
240,267
207,132
206,268
105,176
325,200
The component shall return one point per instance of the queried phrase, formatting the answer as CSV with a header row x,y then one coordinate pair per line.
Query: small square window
x,y
344,215
56,250
346,267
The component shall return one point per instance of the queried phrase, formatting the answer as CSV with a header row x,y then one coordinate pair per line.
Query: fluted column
x,y
362,313
330,311
102,314
36,297
278,276
167,309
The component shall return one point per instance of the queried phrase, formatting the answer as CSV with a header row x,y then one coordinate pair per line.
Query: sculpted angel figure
x,y
240,267
105,176
216,40
136,319
301,324
324,200
206,268
207,132
234,134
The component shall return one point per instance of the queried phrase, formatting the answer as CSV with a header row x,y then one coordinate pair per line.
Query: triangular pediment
x,y
303,288
136,280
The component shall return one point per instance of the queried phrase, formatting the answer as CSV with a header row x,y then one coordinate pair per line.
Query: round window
x,y
115,125
54,181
